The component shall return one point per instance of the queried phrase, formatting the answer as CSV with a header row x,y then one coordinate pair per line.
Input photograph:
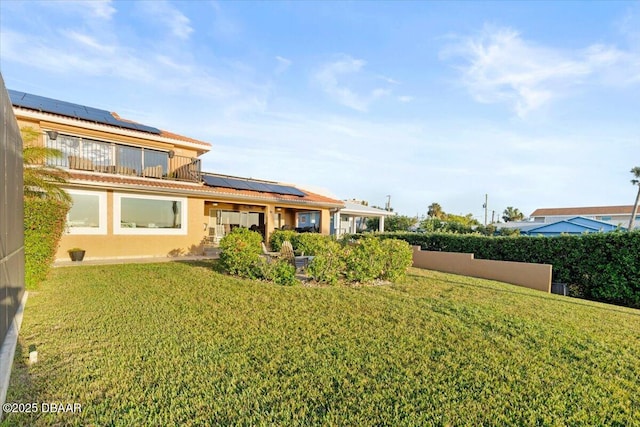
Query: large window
x,y
136,214
88,213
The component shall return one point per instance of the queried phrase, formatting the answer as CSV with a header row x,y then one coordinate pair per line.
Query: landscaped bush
x,y
598,266
397,258
279,236
328,263
310,243
241,252
242,256
44,222
283,273
364,260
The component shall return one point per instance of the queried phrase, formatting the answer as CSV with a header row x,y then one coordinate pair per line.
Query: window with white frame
x,y
88,212
143,214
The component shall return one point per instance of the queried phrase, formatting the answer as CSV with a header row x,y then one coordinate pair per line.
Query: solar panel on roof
x,y
243,184
68,109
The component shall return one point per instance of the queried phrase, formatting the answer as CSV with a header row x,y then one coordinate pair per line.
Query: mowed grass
x,y
179,344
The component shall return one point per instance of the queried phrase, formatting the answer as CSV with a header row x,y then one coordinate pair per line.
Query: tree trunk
x,y
635,210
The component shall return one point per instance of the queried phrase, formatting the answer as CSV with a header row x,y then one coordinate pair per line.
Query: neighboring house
x,y
575,225
615,215
351,218
139,191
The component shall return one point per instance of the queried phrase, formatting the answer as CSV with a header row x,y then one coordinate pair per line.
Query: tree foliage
x,y
435,211
41,180
512,214
392,223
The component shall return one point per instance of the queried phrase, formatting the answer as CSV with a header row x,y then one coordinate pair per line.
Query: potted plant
x,y
76,254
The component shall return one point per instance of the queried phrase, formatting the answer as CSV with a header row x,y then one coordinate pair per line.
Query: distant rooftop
x,y
589,210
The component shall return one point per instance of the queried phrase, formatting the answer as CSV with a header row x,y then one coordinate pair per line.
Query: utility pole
x,y
493,216
486,207
388,207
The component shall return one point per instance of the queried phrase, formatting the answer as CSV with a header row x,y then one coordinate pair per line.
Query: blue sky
x,y
535,103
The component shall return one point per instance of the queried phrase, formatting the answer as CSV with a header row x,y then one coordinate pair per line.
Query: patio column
x,y
381,227
269,221
336,224
325,222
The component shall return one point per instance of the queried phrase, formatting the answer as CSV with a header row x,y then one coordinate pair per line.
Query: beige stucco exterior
x,y
108,183
533,276
111,245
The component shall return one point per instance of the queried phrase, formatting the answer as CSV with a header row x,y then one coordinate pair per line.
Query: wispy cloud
x,y
102,9
499,65
179,24
405,98
283,64
329,77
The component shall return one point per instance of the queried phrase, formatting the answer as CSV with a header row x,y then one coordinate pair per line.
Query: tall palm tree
x,y
435,211
635,181
41,180
512,214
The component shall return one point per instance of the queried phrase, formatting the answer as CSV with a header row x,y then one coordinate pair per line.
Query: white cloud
x,y
102,9
179,24
500,66
329,79
405,98
283,64
88,41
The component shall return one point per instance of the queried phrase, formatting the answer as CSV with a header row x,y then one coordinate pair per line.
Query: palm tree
x,y
435,211
635,181
512,214
41,180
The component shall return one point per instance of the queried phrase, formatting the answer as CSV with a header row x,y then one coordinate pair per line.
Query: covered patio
x,y
350,219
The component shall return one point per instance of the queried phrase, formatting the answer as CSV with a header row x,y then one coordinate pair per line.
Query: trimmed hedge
x,y
44,223
598,266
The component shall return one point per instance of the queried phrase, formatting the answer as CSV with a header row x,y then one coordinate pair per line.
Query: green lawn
x,y
179,344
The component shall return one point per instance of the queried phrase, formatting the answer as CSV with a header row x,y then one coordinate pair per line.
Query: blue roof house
x,y
575,225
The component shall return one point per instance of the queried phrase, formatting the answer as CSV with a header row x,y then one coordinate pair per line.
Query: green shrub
x,y
44,223
397,258
328,264
310,243
283,273
279,236
364,260
241,252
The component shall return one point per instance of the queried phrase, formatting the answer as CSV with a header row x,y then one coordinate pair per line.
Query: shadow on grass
x,y
21,390
569,300
209,264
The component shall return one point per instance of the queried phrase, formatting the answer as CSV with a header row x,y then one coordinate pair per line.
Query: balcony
x,y
119,159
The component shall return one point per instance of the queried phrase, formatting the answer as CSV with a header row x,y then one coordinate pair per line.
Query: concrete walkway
x,y
145,260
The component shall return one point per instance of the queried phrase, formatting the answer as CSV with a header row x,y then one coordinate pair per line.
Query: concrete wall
x,y
533,276
11,238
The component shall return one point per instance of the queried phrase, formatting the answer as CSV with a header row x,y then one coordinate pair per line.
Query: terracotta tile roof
x,y
166,133
592,210
199,189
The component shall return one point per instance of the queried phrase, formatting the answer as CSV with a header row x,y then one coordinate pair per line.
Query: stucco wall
x,y
533,276
130,246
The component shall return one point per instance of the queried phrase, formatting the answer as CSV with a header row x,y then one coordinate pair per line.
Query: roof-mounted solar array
x,y
246,184
68,109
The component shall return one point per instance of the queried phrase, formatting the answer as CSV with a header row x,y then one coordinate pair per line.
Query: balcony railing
x,y
105,157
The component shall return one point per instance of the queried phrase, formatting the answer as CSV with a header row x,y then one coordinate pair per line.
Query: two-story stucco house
x,y
139,191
